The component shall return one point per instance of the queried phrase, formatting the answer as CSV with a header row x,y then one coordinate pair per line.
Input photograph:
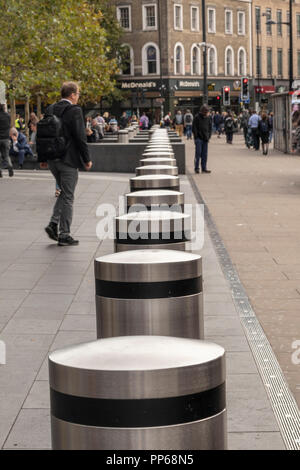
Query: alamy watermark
x,y
296,354
189,227
2,353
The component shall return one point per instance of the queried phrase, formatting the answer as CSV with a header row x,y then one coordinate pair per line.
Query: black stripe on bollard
x,y
146,238
137,413
172,188
148,290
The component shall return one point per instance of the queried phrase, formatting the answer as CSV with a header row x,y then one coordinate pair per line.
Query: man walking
x,y
4,141
253,124
202,128
65,169
188,124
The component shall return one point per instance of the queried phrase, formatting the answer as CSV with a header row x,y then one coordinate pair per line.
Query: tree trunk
x,y
27,115
39,105
12,110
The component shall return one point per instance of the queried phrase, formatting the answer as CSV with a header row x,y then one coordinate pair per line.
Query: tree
x,y
45,43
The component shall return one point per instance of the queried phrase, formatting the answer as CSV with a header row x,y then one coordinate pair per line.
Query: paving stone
x,y
229,326
219,308
30,431
39,396
79,323
255,441
230,343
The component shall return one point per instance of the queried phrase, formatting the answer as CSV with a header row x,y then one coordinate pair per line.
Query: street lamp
x,y
290,24
206,46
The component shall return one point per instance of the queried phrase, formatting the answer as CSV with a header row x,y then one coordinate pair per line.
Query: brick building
x,y
165,59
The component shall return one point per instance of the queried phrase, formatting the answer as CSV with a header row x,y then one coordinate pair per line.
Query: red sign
x,y
265,89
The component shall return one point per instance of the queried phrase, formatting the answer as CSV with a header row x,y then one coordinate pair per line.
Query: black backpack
x,y
188,119
50,140
264,127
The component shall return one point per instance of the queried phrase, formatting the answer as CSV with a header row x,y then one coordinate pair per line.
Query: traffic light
x,y
244,89
226,95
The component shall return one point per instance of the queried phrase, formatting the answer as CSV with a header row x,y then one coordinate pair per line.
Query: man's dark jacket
x,y
74,131
202,127
4,125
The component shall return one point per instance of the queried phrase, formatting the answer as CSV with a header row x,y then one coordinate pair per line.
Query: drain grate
x,y
283,402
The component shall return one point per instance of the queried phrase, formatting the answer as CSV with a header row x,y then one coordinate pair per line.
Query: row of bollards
x,y
150,381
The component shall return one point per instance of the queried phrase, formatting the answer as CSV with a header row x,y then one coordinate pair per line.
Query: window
x,y
242,62
241,22
229,68
124,17
288,60
288,21
127,60
258,61
195,60
179,59
194,18
298,25
178,17
228,21
269,61
279,22
150,59
298,64
211,23
149,17
279,62
257,20
212,61
269,18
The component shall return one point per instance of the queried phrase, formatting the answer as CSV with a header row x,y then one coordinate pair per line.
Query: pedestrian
x,y
229,127
253,125
144,121
123,121
19,146
5,142
188,124
218,120
113,125
244,118
65,167
271,123
264,133
178,123
202,129
167,120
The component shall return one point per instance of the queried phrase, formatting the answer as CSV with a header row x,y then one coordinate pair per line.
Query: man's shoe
x,y
20,167
10,172
52,231
206,171
67,241
1,176
196,171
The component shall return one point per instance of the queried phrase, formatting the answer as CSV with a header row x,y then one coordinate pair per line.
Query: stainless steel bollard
x,y
158,161
139,393
154,199
152,229
158,153
123,136
149,292
154,182
157,170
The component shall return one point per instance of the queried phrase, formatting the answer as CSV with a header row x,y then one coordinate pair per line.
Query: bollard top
x,y
154,222
133,367
155,196
148,265
158,161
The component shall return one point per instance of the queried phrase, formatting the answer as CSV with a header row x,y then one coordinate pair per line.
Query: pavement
x,y
47,294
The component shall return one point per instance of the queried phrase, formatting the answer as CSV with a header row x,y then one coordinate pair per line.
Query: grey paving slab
x,y
32,326
227,326
82,308
31,431
79,323
230,343
39,395
255,441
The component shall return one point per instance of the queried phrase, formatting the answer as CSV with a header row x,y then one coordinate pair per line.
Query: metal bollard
x,y
139,393
123,136
152,229
153,200
154,182
149,292
157,170
158,161
130,132
158,153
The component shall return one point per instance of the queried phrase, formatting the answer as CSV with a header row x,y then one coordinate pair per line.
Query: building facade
x,y
164,44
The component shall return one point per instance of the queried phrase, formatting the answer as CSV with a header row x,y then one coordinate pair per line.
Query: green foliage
x,y
43,43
